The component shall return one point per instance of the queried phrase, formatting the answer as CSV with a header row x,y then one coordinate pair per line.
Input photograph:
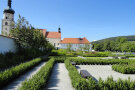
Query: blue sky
x,y
93,19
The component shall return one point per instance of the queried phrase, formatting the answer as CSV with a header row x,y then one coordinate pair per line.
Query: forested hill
x,y
130,38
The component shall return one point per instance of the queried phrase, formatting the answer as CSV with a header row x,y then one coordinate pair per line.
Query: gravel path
x,y
17,83
104,71
59,79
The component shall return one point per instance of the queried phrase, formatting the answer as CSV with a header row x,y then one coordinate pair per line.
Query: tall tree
x,y
28,37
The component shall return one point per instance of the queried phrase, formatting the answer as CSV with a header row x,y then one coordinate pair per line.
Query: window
x,y
58,43
6,17
54,44
5,28
6,23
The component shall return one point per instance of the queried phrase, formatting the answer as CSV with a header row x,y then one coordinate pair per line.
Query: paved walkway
x,y
104,71
17,83
59,79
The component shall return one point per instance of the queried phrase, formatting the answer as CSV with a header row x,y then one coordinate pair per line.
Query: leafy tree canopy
x,y
27,36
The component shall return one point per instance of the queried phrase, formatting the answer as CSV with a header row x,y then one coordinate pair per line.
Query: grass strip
x,y
39,80
10,74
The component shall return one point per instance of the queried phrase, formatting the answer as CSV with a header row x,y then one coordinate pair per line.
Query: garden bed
x,y
80,83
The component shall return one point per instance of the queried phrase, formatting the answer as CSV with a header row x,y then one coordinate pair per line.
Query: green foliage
x,y
129,38
128,47
60,52
96,54
28,37
12,73
119,44
77,82
98,61
80,83
63,52
10,59
39,80
124,68
59,59
69,46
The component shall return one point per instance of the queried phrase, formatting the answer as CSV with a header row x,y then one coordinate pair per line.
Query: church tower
x,y
59,29
8,20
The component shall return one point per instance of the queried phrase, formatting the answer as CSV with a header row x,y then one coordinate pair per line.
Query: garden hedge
x,y
10,74
125,69
80,83
39,80
99,61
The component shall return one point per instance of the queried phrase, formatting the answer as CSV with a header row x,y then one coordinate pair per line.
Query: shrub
x,y
10,59
39,80
125,69
80,83
12,73
59,59
98,61
96,54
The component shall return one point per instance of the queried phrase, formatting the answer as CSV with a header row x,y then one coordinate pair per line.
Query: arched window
x,y
6,23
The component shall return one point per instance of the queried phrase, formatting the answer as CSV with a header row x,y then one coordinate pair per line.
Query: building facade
x,y
8,20
53,37
76,44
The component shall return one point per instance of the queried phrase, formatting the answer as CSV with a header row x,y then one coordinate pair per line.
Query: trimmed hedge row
x,y
39,80
80,83
14,72
64,52
77,81
10,59
59,59
125,69
99,61
96,54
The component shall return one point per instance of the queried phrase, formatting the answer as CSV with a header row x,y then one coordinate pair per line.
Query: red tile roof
x,y
75,41
53,35
50,34
43,31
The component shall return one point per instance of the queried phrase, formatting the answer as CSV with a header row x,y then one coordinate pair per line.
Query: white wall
x,y
55,41
74,47
7,44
